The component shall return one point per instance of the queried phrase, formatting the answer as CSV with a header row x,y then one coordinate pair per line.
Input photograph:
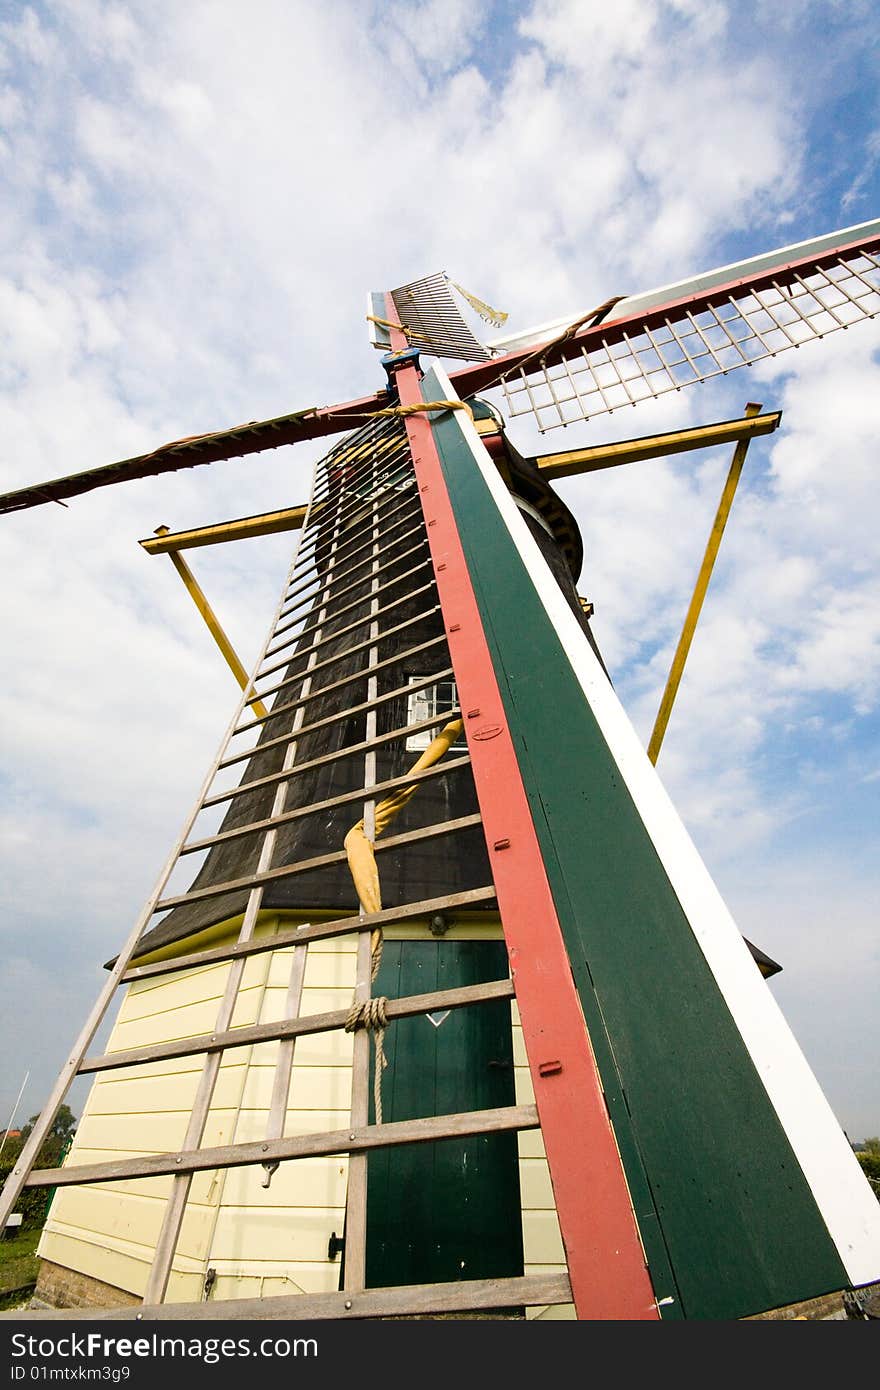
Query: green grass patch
x,y
18,1263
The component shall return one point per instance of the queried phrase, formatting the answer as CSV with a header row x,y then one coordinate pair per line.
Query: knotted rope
x,y
372,1016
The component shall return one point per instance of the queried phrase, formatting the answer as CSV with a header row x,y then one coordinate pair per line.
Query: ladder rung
x,y
340,656
346,607
363,673
312,931
236,885
309,569
302,1026
463,1295
344,714
288,774
352,544
338,1141
359,794
342,631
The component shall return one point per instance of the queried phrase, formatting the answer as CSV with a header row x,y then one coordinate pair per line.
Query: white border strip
x,y
840,1188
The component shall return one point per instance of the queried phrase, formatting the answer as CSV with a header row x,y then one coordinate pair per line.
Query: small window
x,y
441,698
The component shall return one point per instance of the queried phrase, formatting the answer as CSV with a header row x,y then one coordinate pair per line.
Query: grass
x,y
18,1264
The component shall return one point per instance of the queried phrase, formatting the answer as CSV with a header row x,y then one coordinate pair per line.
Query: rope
x,y
591,319
401,327
401,411
365,875
372,1016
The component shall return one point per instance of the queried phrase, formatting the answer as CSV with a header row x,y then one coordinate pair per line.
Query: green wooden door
x,y
449,1210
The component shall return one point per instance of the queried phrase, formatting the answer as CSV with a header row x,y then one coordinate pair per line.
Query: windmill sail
x,y
687,332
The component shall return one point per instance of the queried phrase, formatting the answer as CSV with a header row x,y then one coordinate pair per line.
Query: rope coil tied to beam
x,y
372,1016
419,408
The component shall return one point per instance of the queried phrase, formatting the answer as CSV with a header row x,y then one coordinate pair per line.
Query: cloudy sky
x,y
197,199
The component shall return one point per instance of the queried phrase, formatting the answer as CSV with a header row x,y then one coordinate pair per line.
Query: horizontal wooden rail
x,y
295,734
362,673
302,1026
313,931
347,651
462,1296
253,827
337,633
288,774
337,1141
319,861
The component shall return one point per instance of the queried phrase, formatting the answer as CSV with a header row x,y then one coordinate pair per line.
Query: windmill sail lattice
x,y
694,334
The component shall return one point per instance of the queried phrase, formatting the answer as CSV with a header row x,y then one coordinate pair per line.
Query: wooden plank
x,y
235,885
341,631
313,931
295,1027
574,461
284,1061
354,1273
348,549
403,730
364,706
357,795
340,1141
355,676
348,652
346,608
464,1295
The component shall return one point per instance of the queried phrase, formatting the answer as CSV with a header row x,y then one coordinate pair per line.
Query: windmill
x,y
451,1016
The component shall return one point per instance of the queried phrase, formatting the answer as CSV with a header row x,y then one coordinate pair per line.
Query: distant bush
x,y
33,1201
871,1168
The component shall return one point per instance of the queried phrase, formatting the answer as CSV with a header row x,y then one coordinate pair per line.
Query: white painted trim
x,y
840,1189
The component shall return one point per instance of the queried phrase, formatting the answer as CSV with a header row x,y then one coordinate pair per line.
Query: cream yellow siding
x,y
257,1240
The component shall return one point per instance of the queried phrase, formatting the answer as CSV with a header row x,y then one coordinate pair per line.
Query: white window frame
x,y
431,700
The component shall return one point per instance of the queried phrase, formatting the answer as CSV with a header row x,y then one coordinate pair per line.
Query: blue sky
x,y
197,199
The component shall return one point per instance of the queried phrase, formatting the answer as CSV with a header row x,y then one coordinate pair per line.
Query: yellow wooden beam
x,y
696,603
656,445
211,621
268,524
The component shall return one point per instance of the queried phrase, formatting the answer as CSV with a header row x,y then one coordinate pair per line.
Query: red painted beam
x,y
250,438
606,1262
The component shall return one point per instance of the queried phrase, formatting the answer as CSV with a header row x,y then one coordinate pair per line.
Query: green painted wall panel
x,y
450,1210
717,1188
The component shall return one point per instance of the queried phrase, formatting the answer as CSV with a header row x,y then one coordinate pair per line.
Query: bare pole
x,y
14,1109
690,623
